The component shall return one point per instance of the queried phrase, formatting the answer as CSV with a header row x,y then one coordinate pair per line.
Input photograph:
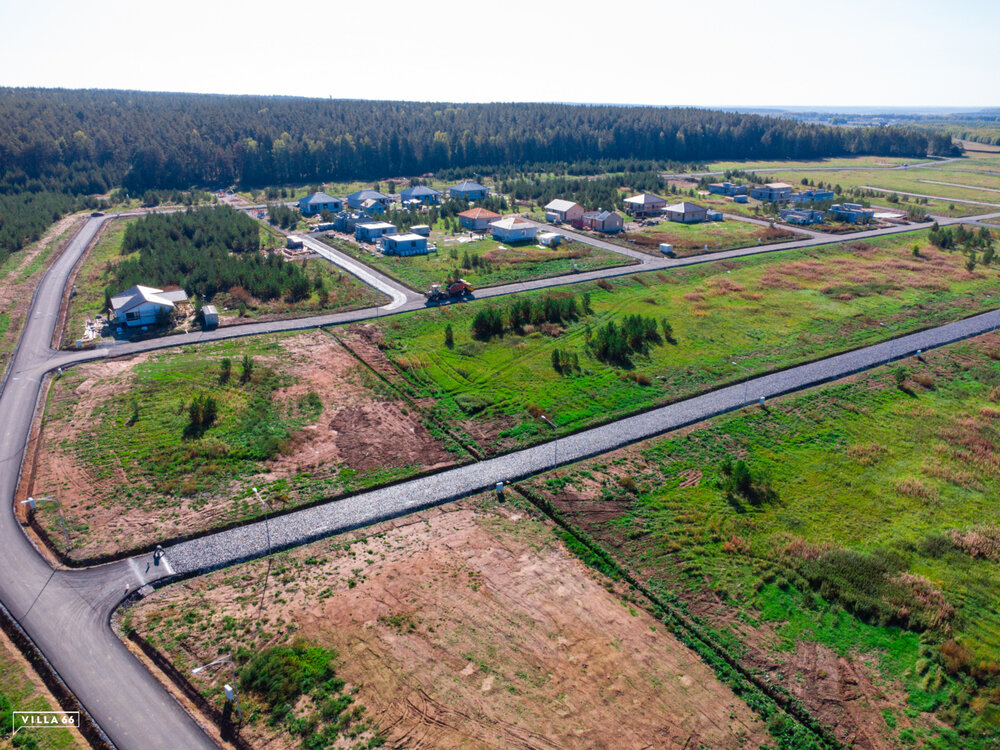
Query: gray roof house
x,y
355,200
644,204
143,305
686,213
314,203
421,193
469,190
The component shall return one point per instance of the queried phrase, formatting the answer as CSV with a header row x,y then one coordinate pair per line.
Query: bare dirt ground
x,y
471,626
358,428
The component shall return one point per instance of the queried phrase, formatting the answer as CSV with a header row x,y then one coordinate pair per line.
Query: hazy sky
x,y
738,53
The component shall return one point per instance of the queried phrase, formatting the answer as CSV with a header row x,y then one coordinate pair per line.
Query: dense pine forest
x,y
88,142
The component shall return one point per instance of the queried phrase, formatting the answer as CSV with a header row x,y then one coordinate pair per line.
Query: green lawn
x,y
857,161
879,532
482,263
707,237
19,693
765,312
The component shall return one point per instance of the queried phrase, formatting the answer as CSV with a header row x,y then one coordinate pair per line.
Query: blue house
x,y
776,192
812,196
355,200
315,203
404,244
469,190
853,213
802,215
421,193
371,231
727,188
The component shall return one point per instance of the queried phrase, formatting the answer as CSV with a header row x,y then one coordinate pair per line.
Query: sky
x,y
877,53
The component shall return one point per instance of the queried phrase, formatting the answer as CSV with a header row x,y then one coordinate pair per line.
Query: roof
x,y
645,199
511,222
209,310
139,294
377,225
603,215
319,198
778,185
479,213
560,205
685,208
363,195
421,190
548,235
467,185
407,237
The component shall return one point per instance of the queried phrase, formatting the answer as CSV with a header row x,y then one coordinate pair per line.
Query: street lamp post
x,y
746,380
230,690
267,572
555,439
32,502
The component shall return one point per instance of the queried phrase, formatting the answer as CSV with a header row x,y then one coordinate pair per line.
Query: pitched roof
x,y
467,185
685,208
644,199
604,215
421,190
511,222
479,213
560,205
139,294
363,195
318,198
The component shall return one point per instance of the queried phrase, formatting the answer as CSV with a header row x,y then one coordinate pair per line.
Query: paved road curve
x,y
66,613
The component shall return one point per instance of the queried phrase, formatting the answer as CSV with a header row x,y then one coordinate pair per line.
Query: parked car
x,y
95,214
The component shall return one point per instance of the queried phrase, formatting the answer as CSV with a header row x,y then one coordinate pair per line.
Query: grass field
x,y
849,162
482,263
764,312
343,290
870,527
20,691
707,237
130,463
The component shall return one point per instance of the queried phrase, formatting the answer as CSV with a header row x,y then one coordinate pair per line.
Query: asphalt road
x,y
66,613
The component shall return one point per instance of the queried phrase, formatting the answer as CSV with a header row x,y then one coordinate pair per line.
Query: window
x,y
131,316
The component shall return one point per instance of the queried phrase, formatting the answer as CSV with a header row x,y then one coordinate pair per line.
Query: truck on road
x,y
456,290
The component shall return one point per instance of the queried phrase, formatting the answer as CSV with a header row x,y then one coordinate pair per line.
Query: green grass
x,y
848,162
519,263
707,237
18,693
866,466
764,312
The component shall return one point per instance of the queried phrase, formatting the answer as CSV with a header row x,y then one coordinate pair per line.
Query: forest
x,y
88,141
206,251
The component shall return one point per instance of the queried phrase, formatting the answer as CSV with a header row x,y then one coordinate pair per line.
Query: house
x,y
727,188
372,207
209,316
477,219
854,213
144,305
513,229
562,210
550,239
345,222
356,200
469,190
644,204
772,192
802,215
686,213
404,244
422,229
315,203
812,196
292,242
370,231
603,221
421,193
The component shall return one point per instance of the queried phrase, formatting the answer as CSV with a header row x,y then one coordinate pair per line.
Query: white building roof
x,y
405,237
511,222
548,235
684,207
559,205
377,225
139,294
645,199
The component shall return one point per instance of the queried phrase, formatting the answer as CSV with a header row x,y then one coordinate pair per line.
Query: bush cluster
x,y
616,344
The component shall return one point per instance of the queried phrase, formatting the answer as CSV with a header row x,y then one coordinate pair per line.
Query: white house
x,y
404,244
143,305
513,229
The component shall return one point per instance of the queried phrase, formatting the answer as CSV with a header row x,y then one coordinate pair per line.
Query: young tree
x,y
225,370
247,372
449,336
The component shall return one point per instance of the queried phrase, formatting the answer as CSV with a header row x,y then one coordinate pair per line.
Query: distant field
x,y
854,162
482,263
861,552
764,312
707,237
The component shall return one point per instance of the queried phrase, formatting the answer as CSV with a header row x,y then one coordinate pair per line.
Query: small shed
x,y
667,249
209,316
550,239
292,242
741,199
713,215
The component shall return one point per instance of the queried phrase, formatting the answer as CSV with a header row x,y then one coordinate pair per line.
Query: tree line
x,y
205,251
86,142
